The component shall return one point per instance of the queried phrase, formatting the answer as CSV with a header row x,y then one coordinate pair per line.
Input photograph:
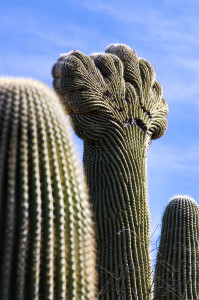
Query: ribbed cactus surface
x,y
47,248
177,266
117,108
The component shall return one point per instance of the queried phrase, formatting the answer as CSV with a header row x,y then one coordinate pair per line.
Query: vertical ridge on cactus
x,y
47,247
177,265
116,107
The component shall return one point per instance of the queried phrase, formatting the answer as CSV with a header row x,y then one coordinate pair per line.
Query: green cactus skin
x,y
117,108
177,266
47,248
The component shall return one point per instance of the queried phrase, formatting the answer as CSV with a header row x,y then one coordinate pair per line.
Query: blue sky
x,y
33,34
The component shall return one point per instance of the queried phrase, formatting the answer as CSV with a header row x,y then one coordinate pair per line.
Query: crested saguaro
x,y
117,108
47,247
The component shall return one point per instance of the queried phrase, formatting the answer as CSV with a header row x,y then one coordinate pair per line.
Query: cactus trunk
x,y
117,185
177,266
47,248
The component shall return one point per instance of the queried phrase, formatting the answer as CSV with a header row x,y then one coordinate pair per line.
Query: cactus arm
x,y
117,108
177,268
46,230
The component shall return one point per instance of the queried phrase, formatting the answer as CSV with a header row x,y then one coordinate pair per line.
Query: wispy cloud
x,y
36,44
166,34
171,170
158,19
34,66
97,6
179,90
175,158
45,32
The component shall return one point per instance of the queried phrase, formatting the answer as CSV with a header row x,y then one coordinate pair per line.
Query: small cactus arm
x,y
117,108
177,265
47,248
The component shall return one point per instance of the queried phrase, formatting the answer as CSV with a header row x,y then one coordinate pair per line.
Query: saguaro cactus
x,y
47,248
177,266
117,108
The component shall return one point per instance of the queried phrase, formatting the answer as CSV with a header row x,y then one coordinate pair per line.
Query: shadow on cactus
x,y
177,265
46,232
116,106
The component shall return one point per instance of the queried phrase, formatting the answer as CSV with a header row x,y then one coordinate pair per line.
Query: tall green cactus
x,y
117,108
47,248
177,266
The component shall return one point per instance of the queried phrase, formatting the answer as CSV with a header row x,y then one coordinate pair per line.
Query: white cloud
x,y
34,66
189,63
36,44
182,159
40,30
181,91
171,170
167,34
94,6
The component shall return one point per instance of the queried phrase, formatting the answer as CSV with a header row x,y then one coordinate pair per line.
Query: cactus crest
x,y
177,266
107,88
47,248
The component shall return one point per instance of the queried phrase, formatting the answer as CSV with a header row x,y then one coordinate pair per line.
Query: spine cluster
x,y
47,248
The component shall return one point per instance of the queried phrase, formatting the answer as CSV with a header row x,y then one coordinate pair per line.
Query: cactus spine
x,y
177,266
47,248
117,108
